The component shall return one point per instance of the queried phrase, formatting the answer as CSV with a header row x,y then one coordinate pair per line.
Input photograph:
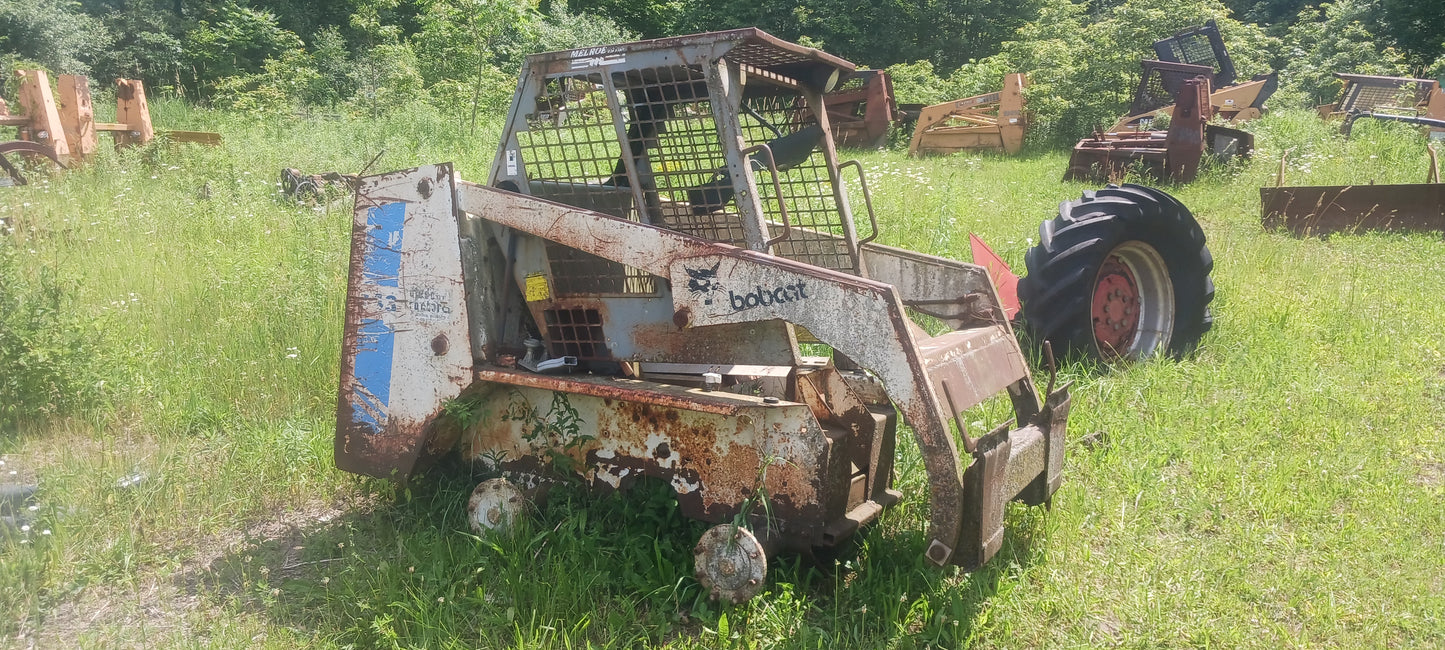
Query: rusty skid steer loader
x,y
663,223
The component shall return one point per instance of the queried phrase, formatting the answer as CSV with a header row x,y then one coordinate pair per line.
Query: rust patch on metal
x,y
862,110
1307,211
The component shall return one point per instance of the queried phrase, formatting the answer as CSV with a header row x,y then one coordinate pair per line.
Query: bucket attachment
x,y
1324,209
405,348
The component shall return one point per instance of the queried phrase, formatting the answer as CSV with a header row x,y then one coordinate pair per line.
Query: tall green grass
x,y
1281,487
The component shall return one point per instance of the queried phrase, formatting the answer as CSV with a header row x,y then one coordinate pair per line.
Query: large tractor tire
x,y
1122,273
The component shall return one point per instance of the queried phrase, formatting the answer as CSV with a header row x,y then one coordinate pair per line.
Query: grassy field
x,y
1282,487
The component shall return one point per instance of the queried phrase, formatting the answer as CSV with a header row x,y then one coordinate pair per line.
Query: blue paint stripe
x,y
372,359
382,262
372,365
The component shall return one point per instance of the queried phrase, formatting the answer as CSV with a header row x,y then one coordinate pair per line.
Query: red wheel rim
x,y
1115,308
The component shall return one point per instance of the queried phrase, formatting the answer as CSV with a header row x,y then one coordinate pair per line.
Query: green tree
x,y
947,33
648,18
148,43
333,64
53,33
237,41
461,48
564,30
1337,39
1417,29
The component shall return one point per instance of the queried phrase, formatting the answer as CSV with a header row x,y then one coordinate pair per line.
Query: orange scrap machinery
x,y
68,126
64,129
1235,103
990,121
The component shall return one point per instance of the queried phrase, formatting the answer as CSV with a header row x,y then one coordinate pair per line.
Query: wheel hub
x,y
494,505
730,563
1115,308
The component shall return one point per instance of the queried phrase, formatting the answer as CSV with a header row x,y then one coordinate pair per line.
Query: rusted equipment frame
x,y
995,121
28,149
862,110
1369,93
1236,103
1308,211
1202,45
624,227
67,125
930,380
1174,154
1320,210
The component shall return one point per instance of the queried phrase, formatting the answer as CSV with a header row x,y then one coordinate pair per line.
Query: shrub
x,y
282,84
239,42
917,83
45,350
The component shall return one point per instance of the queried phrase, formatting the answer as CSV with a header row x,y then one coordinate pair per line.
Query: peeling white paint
x,y
684,486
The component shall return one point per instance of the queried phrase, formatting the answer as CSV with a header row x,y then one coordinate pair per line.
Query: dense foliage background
x,y
460,56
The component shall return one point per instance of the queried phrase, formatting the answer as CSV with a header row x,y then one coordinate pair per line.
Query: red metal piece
x,y
1004,280
1115,308
862,110
1184,145
1174,153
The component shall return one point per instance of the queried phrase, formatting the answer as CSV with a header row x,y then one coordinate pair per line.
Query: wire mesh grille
x,y
762,55
1159,87
816,236
573,156
575,333
680,158
1365,96
685,169
1194,49
571,150
1155,93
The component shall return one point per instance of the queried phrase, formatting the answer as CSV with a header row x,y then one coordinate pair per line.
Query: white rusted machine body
x,y
625,297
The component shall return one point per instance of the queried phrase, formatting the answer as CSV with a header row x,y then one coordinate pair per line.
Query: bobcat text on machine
x,y
663,224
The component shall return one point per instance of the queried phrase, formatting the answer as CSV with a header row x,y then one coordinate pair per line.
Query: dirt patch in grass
x,y
1430,475
1108,630
184,602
